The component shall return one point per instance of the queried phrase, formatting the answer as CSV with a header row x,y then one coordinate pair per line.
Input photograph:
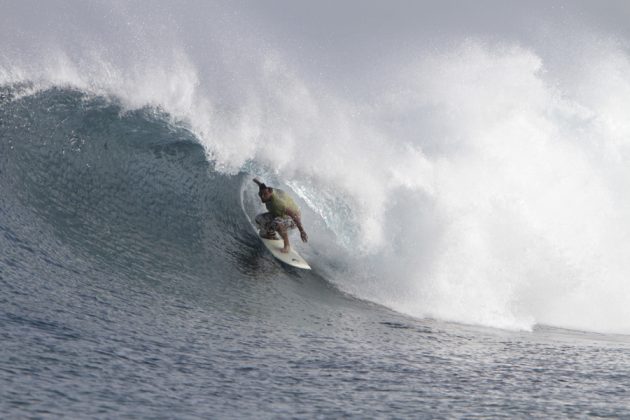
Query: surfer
x,y
283,214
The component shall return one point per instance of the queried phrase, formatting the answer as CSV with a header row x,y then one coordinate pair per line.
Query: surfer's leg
x,y
282,223
265,225
282,226
285,223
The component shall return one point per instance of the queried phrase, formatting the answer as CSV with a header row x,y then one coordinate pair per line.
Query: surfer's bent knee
x,y
263,219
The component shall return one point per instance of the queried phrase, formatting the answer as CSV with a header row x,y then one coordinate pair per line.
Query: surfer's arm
x,y
298,222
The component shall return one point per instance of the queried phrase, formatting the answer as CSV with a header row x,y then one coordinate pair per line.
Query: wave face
x,y
481,181
125,190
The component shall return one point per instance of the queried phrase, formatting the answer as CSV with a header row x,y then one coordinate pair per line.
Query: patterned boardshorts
x,y
269,225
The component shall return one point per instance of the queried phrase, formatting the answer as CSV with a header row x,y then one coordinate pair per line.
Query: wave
x,y
104,179
483,183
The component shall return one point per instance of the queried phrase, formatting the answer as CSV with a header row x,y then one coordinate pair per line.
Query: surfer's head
x,y
264,192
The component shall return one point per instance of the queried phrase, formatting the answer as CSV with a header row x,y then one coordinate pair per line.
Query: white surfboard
x,y
291,258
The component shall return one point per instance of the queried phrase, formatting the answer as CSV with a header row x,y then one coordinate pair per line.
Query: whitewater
x,y
463,184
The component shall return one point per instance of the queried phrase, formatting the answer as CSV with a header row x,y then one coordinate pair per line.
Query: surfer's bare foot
x,y
285,250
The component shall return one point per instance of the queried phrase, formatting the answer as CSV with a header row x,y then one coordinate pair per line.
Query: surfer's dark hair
x,y
262,187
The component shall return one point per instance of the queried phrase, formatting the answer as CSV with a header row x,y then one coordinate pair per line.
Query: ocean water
x,y
464,191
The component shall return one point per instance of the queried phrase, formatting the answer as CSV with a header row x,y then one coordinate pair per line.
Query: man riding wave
x,y
282,214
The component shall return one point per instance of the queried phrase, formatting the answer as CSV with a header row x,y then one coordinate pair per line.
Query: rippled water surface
x,y
131,285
